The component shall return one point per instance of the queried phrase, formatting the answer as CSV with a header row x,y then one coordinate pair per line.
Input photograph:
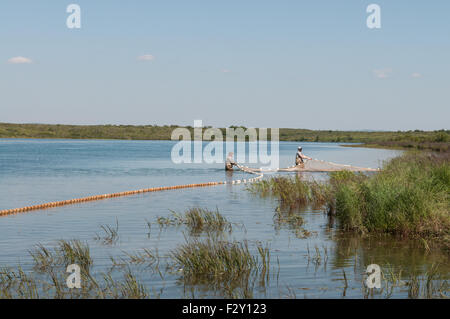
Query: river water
x,y
38,171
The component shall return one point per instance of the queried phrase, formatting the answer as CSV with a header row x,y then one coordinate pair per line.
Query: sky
x,y
299,64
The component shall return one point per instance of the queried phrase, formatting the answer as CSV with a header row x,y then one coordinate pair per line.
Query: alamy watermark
x,y
73,21
74,279
191,149
373,21
373,279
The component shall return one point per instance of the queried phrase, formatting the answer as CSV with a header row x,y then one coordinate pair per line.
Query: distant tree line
x,y
417,139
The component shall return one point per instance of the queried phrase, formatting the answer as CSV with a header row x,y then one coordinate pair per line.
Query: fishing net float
x,y
310,166
25,209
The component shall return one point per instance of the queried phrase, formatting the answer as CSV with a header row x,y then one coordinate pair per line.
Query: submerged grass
x,y
293,219
216,261
198,220
49,281
131,288
111,234
224,268
431,284
228,267
75,252
293,193
66,253
17,284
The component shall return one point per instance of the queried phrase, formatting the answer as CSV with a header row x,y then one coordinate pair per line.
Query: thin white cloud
x,y
19,60
226,71
146,57
383,73
416,75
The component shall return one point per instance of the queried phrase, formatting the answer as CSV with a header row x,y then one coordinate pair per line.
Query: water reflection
x,y
409,256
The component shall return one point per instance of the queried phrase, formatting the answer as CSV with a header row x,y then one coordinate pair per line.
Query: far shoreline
x,y
435,141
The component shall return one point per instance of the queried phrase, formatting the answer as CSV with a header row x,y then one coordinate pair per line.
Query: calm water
x,y
36,171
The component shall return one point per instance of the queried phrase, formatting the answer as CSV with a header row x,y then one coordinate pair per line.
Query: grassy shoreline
x,y
437,141
409,197
440,147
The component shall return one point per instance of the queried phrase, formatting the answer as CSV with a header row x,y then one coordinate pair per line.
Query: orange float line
x,y
7,212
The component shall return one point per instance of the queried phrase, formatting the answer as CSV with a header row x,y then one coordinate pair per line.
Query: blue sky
x,y
303,64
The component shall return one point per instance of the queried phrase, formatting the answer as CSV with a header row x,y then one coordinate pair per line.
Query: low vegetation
x,y
110,234
293,193
209,260
230,269
221,265
409,197
422,140
198,220
65,253
217,265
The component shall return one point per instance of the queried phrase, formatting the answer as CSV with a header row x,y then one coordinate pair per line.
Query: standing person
x,y
300,157
229,163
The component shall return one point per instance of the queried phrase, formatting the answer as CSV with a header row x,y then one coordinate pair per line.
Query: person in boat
x,y
300,158
229,163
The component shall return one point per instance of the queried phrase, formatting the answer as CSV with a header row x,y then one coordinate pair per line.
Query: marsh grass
x,y
17,285
149,227
263,264
430,284
50,279
293,220
293,193
65,253
410,196
111,234
50,265
198,220
228,267
43,258
131,288
144,256
75,252
216,261
212,263
302,233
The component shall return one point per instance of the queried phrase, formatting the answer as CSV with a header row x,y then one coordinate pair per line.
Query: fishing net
x,y
314,165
